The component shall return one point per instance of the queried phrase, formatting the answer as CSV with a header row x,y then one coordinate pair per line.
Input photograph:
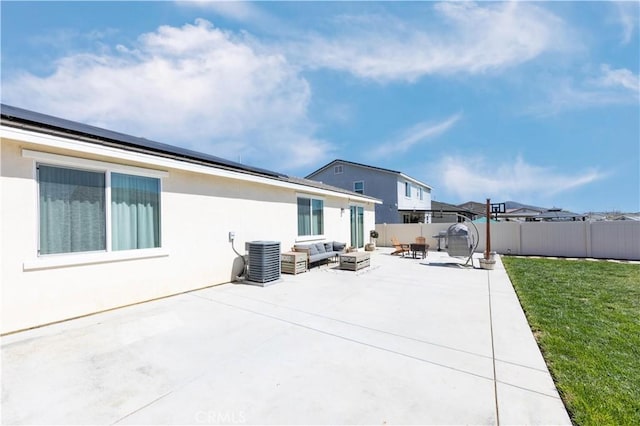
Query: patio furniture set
x,y
420,246
303,256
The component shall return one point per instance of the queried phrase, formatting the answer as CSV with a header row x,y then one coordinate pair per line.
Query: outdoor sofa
x,y
317,252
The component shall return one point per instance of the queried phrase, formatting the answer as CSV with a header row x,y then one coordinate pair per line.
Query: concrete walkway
x,y
406,341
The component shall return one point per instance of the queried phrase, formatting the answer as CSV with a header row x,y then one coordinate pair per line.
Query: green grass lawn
x,y
586,318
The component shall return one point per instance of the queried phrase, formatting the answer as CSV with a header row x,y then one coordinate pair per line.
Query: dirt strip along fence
x,y
600,240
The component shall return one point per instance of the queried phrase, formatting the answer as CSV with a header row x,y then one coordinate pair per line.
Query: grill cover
x,y
459,242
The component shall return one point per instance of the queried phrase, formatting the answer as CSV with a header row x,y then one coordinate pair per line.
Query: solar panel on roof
x,y
14,114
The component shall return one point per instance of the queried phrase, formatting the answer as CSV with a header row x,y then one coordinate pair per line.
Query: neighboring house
x,y
478,209
556,214
521,214
513,211
594,217
93,219
449,213
404,199
627,216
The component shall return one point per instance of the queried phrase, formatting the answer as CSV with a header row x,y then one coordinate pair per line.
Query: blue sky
x,y
533,102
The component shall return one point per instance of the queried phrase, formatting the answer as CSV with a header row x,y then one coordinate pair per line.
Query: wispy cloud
x,y
250,14
479,178
628,15
605,87
471,39
618,78
195,86
236,10
413,136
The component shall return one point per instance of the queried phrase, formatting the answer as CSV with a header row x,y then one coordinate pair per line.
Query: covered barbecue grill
x,y
459,242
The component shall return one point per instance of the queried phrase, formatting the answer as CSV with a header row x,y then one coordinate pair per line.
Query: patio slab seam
x,y
353,340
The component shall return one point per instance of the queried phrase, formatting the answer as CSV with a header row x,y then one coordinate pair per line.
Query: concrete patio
x,y
405,341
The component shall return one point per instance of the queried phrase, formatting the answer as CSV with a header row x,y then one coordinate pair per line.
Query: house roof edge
x,y
382,169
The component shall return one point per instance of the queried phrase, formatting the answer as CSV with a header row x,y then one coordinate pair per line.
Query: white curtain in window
x,y
72,210
304,216
135,212
317,217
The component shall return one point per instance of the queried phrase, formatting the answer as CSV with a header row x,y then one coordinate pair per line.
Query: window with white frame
x,y
337,169
420,194
358,187
310,216
84,210
407,189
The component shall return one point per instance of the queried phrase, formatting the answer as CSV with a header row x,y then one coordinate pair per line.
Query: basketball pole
x,y
487,248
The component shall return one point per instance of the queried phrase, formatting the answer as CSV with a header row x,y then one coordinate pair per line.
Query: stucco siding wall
x,y
198,212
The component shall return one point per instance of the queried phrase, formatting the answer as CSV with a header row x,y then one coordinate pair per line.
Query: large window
x,y
135,212
75,207
72,210
407,189
310,216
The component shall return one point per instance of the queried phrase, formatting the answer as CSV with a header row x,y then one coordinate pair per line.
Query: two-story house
x,y
405,199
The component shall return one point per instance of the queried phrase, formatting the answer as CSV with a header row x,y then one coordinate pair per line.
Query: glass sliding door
x,y
357,226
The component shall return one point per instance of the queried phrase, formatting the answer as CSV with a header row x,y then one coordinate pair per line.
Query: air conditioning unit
x,y
264,262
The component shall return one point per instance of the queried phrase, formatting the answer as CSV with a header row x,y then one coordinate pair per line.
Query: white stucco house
x,y
92,219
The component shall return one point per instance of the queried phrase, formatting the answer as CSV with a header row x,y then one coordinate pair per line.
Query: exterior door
x,y
357,226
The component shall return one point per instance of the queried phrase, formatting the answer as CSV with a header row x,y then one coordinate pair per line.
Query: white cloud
x,y
628,13
604,88
195,86
244,12
479,178
413,136
476,39
618,78
237,10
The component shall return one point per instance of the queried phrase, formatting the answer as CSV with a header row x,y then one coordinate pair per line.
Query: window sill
x,y
309,238
60,261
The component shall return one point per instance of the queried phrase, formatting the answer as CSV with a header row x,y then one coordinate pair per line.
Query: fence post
x,y
587,239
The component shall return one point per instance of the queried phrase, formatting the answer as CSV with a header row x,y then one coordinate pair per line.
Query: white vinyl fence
x,y
602,240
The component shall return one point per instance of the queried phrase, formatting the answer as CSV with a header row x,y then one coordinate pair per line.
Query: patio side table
x,y
293,262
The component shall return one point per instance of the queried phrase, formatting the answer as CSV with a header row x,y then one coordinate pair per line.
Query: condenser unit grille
x,y
264,261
